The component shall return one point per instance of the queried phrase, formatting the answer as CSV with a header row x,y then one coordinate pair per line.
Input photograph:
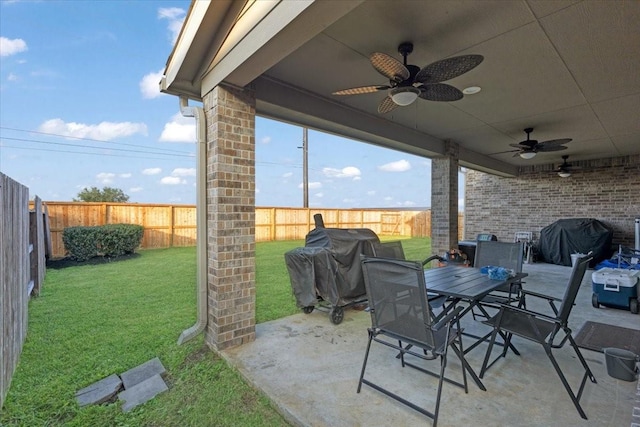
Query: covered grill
x,y
327,269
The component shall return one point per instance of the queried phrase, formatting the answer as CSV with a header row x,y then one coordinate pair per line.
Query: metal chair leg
x,y
364,363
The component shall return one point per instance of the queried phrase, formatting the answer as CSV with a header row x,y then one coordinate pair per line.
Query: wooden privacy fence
x,y
175,225
22,269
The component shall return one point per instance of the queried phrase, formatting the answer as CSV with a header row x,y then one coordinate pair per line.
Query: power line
x,y
85,153
95,148
86,139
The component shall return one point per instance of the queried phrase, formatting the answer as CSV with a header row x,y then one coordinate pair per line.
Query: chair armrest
x,y
543,296
431,258
446,319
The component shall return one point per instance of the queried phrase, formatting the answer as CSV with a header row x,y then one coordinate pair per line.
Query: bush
x,y
112,240
80,242
119,239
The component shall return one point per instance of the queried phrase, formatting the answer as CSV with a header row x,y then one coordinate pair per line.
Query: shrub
x,y
80,242
119,239
112,240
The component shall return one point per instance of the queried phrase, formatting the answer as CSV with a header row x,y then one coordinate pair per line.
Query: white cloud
x,y
177,176
184,172
371,193
319,195
312,185
407,203
13,77
288,175
151,171
150,85
104,131
266,140
179,129
399,166
175,16
172,180
105,177
135,189
348,172
10,47
125,175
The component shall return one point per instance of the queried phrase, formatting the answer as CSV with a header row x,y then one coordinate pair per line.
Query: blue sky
x,y
80,107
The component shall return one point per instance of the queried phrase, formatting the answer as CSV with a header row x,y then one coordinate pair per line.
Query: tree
x,y
107,194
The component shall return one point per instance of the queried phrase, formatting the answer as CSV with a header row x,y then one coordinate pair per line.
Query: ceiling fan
x,y
528,148
408,82
564,169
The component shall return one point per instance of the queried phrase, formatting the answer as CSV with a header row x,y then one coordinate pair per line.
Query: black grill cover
x,y
577,235
329,265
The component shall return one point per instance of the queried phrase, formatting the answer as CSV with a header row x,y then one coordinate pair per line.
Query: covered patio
x,y
566,68
309,368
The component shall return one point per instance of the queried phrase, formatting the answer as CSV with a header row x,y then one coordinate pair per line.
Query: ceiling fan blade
x,y
556,141
546,148
360,90
386,105
440,92
389,67
448,68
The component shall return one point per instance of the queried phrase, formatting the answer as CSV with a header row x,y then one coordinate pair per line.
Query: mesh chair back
x,y
388,282
500,254
390,250
570,293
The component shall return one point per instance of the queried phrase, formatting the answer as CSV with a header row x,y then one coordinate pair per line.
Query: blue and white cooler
x,y
615,287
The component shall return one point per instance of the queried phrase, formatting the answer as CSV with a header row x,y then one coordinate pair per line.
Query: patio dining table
x,y
465,284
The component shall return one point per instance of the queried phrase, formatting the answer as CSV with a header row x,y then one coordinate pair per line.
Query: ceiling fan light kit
x,y
404,95
527,154
565,168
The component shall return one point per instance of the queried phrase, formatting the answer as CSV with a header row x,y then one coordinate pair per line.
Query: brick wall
x,y
444,200
230,217
607,190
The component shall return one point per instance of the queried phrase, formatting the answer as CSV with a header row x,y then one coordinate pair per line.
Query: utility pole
x,y
305,168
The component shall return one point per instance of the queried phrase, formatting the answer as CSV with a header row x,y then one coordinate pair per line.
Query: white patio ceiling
x,y
569,69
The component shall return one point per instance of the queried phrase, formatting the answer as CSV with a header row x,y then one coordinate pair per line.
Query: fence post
x,y
36,239
172,225
272,221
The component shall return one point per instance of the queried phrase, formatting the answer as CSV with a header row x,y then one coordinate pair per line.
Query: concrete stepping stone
x,y
142,392
142,372
99,392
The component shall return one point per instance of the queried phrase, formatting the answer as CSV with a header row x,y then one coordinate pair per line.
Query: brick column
x,y
444,200
230,217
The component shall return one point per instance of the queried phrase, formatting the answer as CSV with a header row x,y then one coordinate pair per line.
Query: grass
x,y
96,319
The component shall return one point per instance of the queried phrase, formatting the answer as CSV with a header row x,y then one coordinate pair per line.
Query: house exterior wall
x,y
231,288
607,190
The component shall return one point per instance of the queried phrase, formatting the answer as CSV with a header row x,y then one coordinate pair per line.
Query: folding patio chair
x,y
543,329
394,250
509,255
396,319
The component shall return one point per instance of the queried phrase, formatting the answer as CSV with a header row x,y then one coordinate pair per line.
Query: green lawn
x,y
94,320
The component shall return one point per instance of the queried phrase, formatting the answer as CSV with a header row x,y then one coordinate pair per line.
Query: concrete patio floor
x,y
310,368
